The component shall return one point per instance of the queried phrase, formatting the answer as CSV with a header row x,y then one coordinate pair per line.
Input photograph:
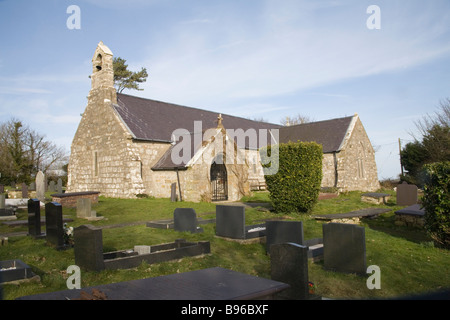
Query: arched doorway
x,y
219,181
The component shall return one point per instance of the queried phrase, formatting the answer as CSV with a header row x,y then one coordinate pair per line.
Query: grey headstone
x,y
230,221
406,194
88,248
52,186
34,217
344,248
173,192
283,231
289,264
84,208
54,224
24,190
142,249
59,186
40,186
2,188
32,186
185,219
2,201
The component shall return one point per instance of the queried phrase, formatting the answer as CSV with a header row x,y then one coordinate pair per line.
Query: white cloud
x,y
281,55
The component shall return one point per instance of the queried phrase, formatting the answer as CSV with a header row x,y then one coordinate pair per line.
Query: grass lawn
x,y
408,261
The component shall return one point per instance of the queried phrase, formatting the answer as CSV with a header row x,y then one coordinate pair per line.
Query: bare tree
x,y
24,151
293,120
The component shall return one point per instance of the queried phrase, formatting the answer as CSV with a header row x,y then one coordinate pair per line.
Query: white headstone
x,y
40,186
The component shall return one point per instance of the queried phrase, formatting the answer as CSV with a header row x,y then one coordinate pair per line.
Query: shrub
x,y
436,201
295,186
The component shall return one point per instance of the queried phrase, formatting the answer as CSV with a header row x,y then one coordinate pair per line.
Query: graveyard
x,y
406,256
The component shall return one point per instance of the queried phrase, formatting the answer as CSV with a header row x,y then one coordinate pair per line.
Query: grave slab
x,y
206,284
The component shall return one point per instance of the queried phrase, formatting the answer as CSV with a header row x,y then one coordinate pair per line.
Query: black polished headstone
x,y
289,264
54,224
34,218
185,219
344,248
283,231
88,248
230,221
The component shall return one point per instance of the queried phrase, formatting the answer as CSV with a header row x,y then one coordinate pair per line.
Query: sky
x,y
266,59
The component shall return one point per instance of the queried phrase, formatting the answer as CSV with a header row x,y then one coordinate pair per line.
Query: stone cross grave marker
x,y
40,186
283,231
344,248
54,224
406,194
289,264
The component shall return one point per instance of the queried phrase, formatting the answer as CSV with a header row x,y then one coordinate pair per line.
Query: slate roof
x,y
329,133
152,120
156,121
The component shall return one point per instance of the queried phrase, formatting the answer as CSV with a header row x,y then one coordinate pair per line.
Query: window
x,y
95,164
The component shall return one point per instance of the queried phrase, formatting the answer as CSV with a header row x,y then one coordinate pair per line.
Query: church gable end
x,y
101,151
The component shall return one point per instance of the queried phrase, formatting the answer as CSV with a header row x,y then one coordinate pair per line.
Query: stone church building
x,y
126,146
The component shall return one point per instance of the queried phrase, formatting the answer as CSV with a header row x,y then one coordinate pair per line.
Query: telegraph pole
x,y
400,154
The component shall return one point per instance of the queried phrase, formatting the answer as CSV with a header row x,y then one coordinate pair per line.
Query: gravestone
x,y
173,192
2,188
2,201
34,218
24,191
406,194
54,225
283,231
344,248
88,248
185,219
32,186
52,186
84,209
59,186
289,264
230,221
142,249
40,186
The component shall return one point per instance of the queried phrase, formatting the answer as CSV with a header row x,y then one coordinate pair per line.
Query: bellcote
x,y
102,76
102,67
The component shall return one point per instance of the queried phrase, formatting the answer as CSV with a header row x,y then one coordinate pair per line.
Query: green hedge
x,y
296,184
436,201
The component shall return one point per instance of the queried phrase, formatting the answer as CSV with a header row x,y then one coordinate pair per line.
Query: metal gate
x,y
219,183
